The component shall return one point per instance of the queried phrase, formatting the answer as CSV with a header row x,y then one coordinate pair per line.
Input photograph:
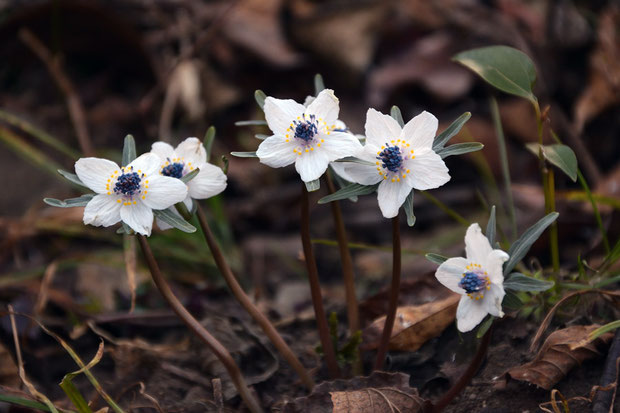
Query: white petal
x,y
95,172
380,128
469,313
493,300
339,169
147,163
102,210
138,216
209,182
163,150
451,272
477,247
192,150
391,196
311,165
276,152
428,170
361,174
420,131
325,107
493,265
163,192
340,145
279,114
162,225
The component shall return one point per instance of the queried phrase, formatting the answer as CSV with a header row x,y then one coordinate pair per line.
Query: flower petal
x,y
469,313
361,174
163,150
493,300
420,131
380,128
95,172
325,107
164,192
102,210
493,265
148,163
477,247
339,145
451,272
311,165
391,196
209,182
279,113
276,152
192,150
428,171
138,216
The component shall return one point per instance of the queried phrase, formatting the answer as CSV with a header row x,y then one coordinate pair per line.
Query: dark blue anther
x,y
472,282
174,170
128,184
306,130
391,158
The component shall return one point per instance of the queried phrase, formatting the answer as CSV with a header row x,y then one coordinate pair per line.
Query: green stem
x,y
393,300
315,287
214,345
452,213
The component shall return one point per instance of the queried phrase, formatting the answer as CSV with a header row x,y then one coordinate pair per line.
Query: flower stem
x,y
347,274
394,290
214,345
245,301
315,287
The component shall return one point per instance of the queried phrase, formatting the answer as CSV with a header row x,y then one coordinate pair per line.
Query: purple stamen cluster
x,y
472,282
306,130
174,170
391,158
128,184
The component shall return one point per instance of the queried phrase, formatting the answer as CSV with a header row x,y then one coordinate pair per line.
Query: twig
x,y
604,400
54,67
394,290
218,349
315,287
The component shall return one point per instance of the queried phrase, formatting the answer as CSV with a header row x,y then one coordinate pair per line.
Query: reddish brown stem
x,y
218,349
315,287
245,301
394,290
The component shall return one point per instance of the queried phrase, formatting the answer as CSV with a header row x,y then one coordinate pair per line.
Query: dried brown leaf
x,y
555,359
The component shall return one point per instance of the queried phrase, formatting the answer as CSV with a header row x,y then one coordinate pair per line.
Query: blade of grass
x,y
71,391
28,152
452,213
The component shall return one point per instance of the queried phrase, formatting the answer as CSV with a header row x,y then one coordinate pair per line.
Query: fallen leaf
x,y
555,359
414,325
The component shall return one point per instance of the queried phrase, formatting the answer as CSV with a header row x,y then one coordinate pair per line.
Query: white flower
x,y
307,137
479,277
178,162
127,194
402,159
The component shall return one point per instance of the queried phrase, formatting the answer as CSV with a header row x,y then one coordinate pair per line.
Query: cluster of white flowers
x,y
151,182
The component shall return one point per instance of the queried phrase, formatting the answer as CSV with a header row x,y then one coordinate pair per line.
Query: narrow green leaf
x,y
341,183
71,391
503,67
484,327
188,177
355,160
436,258
604,329
225,167
440,140
397,115
20,401
244,154
607,282
319,85
260,97
208,141
174,220
26,151
408,206
559,155
520,247
312,186
521,282
349,191
491,227
512,301
71,177
129,150
459,149
251,123
69,203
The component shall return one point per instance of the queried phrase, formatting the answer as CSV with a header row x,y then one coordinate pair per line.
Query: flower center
x,y
475,281
174,170
391,160
306,130
128,184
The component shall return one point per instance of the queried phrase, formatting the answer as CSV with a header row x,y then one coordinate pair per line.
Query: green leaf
x,y
71,177
408,206
484,327
72,392
503,67
188,177
225,167
129,150
260,97
174,220
436,258
454,128
244,154
349,191
459,149
604,329
69,203
312,186
208,141
355,160
251,123
559,155
491,227
521,282
512,301
319,85
397,115
520,247
20,401
341,183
